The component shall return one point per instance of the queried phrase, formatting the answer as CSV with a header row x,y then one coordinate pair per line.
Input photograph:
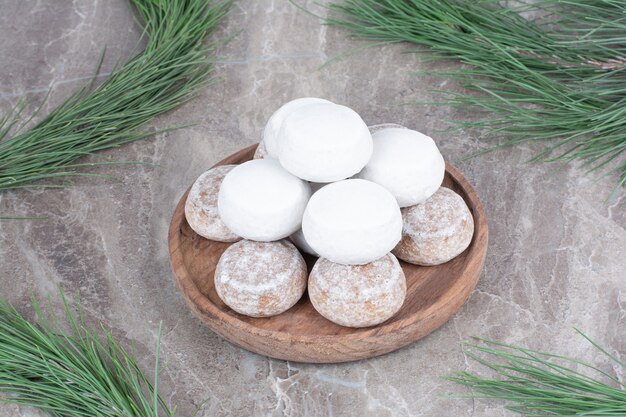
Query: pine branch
x,y
72,374
539,384
169,71
559,78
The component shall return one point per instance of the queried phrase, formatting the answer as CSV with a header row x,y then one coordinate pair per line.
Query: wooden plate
x,y
300,334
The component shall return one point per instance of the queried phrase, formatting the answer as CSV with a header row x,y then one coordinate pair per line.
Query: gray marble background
x,y
556,257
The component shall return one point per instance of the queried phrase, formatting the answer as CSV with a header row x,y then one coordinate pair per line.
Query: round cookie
x,y
299,240
324,142
260,151
259,200
405,162
201,206
270,133
261,279
357,295
352,222
435,231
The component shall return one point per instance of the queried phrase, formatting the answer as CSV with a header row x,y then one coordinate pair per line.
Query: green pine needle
x,y
558,77
539,384
75,373
172,67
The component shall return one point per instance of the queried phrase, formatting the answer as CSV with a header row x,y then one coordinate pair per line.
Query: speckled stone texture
x,y
556,257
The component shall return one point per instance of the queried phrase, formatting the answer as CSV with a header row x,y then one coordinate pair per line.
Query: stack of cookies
x,y
324,183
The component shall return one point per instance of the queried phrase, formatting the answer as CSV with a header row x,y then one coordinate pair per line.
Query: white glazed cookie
x,y
357,295
352,222
261,279
299,240
324,142
259,200
435,231
270,133
201,206
405,162
260,151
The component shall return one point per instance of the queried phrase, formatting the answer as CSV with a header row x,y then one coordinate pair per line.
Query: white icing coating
x,y
357,295
324,142
407,163
270,133
201,206
352,222
260,279
259,200
299,240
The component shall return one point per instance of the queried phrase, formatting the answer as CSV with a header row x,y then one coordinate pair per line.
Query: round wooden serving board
x,y
300,334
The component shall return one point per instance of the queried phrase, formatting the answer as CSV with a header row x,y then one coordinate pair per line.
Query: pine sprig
x,y
75,373
558,77
174,65
539,384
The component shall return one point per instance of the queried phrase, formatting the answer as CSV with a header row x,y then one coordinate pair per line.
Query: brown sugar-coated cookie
x,y
435,231
261,151
201,206
261,279
357,295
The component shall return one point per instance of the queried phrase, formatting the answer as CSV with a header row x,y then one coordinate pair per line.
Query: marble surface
x,y
555,262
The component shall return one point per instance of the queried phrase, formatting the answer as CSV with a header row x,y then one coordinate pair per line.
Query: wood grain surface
x,y
300,334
